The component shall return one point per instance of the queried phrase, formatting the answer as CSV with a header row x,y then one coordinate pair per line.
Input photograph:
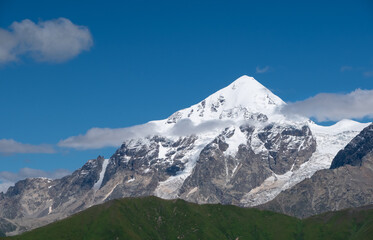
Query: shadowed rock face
x,y
347,184
6,226
356,150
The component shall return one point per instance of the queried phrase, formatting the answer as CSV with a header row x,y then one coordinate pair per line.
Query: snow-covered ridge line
x,y
330,140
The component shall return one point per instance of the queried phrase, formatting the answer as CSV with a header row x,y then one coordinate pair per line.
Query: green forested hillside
x,y
154,218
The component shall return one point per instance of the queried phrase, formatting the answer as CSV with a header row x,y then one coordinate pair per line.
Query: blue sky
x,y
136,61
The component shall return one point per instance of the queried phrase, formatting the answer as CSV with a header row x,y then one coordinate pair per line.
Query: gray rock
x,y
347,184
221,178
6,226
354,152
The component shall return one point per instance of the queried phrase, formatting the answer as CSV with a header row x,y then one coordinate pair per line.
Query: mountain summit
x,y
234,147
242,97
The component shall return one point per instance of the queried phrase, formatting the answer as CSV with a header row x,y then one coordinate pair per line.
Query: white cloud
x,y
186,127
7,44
55,40
262,70
107,137
365,71
9,146
96,138
334,107
8,179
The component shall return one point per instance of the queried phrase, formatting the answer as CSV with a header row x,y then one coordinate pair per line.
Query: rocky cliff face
x,y
221,177
356,150
37,201
234,147
348,183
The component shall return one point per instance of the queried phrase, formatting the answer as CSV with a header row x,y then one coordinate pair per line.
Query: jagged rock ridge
x,y
356,150
348,183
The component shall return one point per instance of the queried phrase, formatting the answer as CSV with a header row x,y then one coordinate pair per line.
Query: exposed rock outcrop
x,y
349,183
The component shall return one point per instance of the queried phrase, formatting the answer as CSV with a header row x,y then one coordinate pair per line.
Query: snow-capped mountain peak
x,y
234,147
239,100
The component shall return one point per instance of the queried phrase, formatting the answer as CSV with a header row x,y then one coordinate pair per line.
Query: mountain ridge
x,y
347,183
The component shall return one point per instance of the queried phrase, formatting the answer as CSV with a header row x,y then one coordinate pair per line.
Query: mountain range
x,y
238,146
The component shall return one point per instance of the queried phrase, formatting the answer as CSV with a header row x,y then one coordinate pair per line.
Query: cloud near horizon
x,y
8,179
10,146
96,138
334,107
56,40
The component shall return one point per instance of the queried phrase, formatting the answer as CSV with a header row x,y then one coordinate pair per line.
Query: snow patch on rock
x,y
162,151
97,185
235,141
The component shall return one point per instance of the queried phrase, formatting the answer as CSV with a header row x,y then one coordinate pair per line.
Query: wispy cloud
x,y
55,40
96,138
334,107
368,74
10,146
262,69
365,71
346,68
8,179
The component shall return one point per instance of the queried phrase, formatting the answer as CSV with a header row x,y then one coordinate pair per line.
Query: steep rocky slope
x,y
348,183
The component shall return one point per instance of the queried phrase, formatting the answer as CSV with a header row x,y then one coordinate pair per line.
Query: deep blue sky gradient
x,y
152,58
